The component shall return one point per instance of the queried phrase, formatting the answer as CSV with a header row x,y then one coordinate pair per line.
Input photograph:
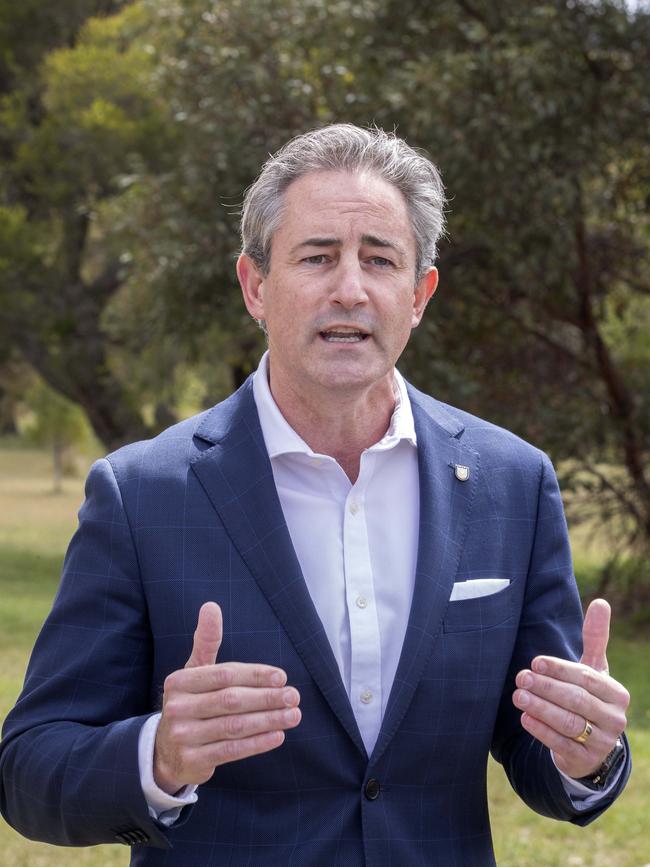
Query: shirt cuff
x,y
162,807
582,797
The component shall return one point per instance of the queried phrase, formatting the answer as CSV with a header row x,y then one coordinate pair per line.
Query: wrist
x,y
600,777
164,778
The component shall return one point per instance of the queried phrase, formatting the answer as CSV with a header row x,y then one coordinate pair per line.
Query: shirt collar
x,y
280,438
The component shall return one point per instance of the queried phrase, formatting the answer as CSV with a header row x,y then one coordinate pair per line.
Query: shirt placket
x,y
365,662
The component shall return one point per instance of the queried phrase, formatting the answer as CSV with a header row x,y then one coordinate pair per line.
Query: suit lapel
x,y
235,472
445,503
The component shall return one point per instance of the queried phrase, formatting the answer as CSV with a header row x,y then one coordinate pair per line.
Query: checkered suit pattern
x,y
193,515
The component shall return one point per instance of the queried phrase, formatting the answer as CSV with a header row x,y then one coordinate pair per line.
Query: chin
x,y
343,378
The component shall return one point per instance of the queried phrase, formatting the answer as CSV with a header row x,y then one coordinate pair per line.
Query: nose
x,y
348,287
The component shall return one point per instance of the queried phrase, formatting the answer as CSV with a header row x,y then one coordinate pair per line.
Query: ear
x,y
423,293
252,286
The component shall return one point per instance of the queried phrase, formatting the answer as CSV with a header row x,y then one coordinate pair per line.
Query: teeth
x,y
343,336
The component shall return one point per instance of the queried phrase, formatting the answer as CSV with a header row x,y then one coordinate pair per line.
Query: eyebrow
x,y
369,240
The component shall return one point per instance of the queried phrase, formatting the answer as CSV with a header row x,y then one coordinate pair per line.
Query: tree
x,y
541,116
72,129
56,423
538,115
238,82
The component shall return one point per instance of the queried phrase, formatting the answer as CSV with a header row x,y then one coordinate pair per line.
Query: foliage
x,y
128,175
72,126
53,420
538,114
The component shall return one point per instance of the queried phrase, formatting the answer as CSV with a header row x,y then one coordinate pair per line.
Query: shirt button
x,y
366,696
354,508
361,601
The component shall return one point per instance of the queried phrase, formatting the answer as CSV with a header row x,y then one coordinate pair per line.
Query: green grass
x,y
619,838
34,529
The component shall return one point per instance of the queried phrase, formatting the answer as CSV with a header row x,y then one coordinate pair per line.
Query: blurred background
x,y
128,133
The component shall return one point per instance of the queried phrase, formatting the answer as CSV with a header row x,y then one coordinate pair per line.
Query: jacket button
x,y
372,789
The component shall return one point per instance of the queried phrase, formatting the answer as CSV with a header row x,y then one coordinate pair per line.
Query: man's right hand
x,y
217,713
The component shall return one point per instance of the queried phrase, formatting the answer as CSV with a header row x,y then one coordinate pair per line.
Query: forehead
x,y
343,204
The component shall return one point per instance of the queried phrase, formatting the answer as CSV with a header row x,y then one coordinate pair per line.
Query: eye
x,y
316,259
381,262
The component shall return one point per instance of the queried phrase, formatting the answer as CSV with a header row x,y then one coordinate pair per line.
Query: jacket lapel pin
x,y
461,472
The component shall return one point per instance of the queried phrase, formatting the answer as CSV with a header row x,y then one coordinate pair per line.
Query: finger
x,y
225,702
210,678
244,725
571,757
234,751
563,721
207,636
199,762
595,635
551,738
594,682
563,695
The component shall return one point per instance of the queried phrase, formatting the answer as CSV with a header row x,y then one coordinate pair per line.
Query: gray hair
x,y
344,147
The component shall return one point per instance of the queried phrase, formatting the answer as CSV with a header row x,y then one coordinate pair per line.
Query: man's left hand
x,y
558,698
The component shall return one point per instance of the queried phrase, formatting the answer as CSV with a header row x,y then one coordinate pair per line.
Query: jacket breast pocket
x,y
483,612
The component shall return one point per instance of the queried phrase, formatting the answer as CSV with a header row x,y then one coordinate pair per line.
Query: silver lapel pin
x,y
461,472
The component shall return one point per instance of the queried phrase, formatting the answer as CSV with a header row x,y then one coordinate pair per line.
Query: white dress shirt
x,y
357,548
356,544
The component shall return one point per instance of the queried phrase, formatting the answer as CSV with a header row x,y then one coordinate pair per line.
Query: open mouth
x,y
344,335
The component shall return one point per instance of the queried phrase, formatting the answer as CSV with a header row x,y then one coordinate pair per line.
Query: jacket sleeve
x,y
69,755
551,624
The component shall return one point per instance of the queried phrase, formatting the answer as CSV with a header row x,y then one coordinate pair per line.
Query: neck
x,y
340,425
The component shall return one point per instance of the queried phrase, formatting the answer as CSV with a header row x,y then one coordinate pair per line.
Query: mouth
x,y
344,334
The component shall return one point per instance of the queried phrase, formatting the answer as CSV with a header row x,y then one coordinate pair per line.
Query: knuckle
x,y
582,701
230,698
178,731
173,709
588,679
234,725
624,697
270,698
260,676
621,722
224,676
229,750
571,725
170,682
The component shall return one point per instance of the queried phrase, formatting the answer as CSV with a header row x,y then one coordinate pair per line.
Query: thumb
x,y
595,635
207,636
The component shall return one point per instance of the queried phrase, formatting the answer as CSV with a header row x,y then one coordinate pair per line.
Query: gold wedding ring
x,y
584,736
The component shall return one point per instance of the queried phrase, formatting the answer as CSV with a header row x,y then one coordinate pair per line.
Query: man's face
x,y
340,298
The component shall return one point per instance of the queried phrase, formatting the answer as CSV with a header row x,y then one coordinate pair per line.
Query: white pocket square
x,y
476,588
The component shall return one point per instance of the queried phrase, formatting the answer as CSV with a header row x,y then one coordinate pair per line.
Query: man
x,y
342,593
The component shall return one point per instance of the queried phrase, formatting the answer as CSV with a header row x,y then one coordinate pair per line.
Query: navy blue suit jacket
x,y
193,515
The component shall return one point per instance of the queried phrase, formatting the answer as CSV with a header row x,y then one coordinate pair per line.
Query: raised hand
x,y
559,698
215,713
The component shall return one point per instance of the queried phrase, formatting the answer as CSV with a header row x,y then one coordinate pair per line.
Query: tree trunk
x,y
620,401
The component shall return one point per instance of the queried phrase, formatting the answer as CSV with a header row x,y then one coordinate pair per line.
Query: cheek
x,y
401,321
288,312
